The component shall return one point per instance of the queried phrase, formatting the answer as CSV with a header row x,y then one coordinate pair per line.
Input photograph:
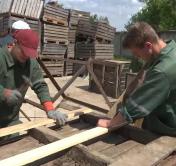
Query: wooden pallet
x,y
136,147
56,21
55,34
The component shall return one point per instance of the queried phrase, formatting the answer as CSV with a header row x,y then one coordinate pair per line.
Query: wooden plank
x,y
33,6
17,6
149,154
40,9
36,8
13,6
40,122
27,7
41,152
24,126
24,7
20,7
46,135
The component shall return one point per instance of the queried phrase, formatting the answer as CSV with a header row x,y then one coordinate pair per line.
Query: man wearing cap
x,y
7,36
15,62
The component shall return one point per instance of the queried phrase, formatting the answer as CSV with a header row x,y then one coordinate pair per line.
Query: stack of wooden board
x,y
111,75
55,37
95,50
22,8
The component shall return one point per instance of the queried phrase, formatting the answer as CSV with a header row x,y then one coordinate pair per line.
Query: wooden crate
x,y
55,67
25,8
98,51
97,31
54,50
55,34
86,28
110,74
105,32
55,15
76,16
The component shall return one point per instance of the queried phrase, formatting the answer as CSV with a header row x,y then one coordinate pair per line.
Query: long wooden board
x,y
37,123
41,152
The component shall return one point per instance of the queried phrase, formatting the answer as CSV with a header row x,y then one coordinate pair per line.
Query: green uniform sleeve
x,y
152,93
1,87
38,84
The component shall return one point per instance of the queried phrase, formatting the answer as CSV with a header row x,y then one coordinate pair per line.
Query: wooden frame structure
x,y
85,66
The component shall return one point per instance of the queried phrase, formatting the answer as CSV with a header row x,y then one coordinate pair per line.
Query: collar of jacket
x,y
169,47
8,57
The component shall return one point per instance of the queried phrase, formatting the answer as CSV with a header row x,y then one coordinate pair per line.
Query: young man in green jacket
x,y
155,99
17,60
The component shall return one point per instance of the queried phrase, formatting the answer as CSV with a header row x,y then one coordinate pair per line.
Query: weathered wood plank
x,y
20,7
149,154
40,9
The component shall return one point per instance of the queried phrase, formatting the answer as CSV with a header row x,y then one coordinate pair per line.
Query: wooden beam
x,y
40,122
41,152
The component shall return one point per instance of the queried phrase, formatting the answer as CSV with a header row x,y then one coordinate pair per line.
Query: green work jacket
x,y
155,99
11,73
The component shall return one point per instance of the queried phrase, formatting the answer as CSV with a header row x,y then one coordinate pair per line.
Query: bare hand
x,y
104,123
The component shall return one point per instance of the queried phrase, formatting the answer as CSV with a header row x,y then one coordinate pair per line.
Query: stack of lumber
x,y
111,75
98,51
55,37
23,8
